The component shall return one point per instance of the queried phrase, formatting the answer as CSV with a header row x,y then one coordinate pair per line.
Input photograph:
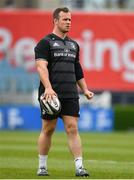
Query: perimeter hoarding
x,y
27,117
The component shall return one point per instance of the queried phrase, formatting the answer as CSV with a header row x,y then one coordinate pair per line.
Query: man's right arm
x,y
42,69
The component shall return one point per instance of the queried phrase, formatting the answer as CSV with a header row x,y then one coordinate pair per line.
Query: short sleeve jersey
x,y
62,55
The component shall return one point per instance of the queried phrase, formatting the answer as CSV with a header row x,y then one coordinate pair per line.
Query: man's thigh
x,y
69,107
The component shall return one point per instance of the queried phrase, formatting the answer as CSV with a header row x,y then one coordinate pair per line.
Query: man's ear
x,y
55,21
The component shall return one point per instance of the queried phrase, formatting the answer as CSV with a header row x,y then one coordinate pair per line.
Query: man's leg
x,y
44,144
74,142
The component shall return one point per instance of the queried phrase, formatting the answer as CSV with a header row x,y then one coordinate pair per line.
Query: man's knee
x,y
48,127
71,129
49,131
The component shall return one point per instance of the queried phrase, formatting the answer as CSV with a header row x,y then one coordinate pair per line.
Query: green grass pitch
x,y
106,155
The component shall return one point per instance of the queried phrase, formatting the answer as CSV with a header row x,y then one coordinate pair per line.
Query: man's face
x,y
64,22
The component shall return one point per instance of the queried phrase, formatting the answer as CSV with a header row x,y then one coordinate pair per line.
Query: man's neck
x,y
59,34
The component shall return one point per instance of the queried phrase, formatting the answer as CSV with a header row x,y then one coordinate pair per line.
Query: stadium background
x,y
104,30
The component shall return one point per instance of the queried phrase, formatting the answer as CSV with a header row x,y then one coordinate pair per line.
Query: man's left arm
x,y
83,86
81,81
80,78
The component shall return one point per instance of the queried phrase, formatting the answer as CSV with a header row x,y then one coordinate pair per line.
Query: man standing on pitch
x,y
57,62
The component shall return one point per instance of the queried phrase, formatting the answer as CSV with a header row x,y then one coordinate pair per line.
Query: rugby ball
x,y
52,107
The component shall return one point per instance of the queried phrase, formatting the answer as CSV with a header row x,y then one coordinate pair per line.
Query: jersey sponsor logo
x,y
64,55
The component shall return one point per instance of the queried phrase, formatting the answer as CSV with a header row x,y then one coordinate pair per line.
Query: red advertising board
x,y
106,41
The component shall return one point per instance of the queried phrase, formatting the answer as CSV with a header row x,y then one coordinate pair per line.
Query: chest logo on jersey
x,y
72,45
55,44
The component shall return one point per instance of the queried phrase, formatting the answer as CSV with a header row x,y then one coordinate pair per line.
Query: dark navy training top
x,y
63,64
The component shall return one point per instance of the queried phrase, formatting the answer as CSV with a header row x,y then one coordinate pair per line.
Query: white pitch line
x,y
109,161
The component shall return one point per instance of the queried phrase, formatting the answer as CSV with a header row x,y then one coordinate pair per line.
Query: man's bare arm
x,y
83,86
42,69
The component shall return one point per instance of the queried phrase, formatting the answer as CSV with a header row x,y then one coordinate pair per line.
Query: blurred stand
x,y
9,4
81,5
76,4
19,4
93,5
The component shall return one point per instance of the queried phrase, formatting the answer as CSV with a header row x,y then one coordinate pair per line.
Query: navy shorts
x,y
69,107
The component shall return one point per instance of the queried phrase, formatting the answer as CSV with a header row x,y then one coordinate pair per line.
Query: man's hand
x,y
88,94
82,84
49,94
